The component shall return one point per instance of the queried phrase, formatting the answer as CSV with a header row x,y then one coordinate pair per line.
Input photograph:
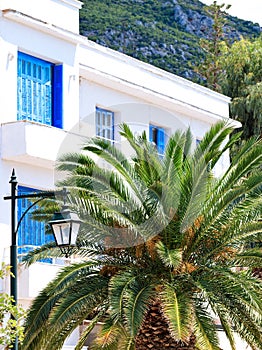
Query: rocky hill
x,y
164,33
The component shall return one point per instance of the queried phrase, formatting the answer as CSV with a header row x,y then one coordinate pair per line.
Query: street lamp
x,y
65,227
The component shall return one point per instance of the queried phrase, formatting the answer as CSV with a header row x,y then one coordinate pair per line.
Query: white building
x,y
56,85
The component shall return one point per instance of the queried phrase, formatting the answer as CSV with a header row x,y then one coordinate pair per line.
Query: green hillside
x,y
163,33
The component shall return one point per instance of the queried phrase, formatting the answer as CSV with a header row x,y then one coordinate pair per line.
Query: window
x,y
31,233
105,123
197,141
157,136
39,91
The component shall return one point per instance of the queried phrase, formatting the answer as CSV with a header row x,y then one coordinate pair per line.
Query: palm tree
x,y
164,247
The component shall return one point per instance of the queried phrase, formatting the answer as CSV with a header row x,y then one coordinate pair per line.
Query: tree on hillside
x,y
210,68
241,80
161,244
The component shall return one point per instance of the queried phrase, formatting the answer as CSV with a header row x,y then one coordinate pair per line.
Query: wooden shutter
x,y
160,140
157,135
39,91
151,127
58,96
34,89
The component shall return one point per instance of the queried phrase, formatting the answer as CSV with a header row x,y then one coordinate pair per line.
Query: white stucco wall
x,y
152,84
138,113
53,12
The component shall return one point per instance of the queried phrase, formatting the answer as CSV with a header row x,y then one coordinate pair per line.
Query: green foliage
x,y
236,71
158,231
10,328
241,80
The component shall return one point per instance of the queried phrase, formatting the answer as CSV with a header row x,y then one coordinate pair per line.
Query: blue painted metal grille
x,y
39,91
31,233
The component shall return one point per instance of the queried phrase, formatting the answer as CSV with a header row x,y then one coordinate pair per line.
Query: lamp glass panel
x,y
62,233
75,229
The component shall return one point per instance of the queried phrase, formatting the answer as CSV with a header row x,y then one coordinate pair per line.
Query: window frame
x,y
101,114
157,135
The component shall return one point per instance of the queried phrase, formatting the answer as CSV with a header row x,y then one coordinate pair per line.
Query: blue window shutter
x,y
160,140
58,96
157,135
34,89
151,127
19,89
113,126
31,233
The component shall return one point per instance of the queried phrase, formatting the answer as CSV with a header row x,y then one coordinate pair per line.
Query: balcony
x,y
31,143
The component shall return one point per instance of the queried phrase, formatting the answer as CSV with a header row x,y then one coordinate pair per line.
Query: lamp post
x,y
65,227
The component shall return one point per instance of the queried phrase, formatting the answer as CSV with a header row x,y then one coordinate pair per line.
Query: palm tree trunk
x,y
155,333
257,272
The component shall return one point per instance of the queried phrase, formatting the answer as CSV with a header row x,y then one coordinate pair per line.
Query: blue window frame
x,y
157,136
31,233
105,123
39,91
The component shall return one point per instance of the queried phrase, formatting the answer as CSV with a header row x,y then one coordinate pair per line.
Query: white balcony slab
x,y
31,143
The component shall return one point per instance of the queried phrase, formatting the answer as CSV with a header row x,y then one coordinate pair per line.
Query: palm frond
x,y
222,314
171,258
137,297
240,296
110,336
250,258
39,318
71,309
117,289
226,213
36,323
48,250
89,329
210,146
205,329
178,309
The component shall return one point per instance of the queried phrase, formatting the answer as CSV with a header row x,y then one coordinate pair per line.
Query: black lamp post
x,y
65,227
